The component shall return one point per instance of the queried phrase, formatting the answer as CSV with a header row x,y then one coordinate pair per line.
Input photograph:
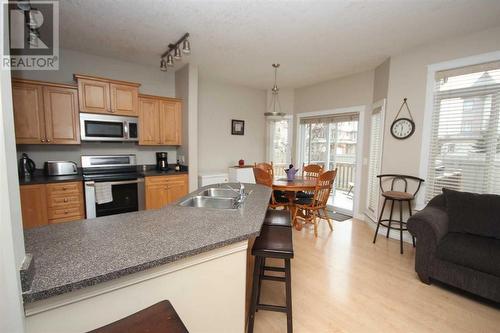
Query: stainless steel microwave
x,y
101,127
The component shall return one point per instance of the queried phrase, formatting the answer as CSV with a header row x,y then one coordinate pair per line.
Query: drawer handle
x,y
64,188
66,212
65,199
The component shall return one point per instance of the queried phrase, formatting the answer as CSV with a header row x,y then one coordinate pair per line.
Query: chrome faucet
x,y
241,194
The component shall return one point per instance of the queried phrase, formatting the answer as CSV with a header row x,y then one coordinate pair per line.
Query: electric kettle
x,y
26,166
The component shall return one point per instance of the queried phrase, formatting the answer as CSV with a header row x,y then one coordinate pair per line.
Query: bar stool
x,y
277,218
399,196
273,242
158,318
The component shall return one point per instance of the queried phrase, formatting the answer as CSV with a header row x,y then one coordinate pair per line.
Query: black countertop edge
x,y
33,297
39,177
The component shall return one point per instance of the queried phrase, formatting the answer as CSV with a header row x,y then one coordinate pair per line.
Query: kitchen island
x,y
92,272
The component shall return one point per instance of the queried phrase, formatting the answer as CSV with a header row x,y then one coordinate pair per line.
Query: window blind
x,y
344,117
374,160
465,138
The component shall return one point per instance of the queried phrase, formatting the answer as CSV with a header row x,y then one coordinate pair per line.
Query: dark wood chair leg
x,y
401,226
288,283
261,273
255,286
379,219
409,210
390,219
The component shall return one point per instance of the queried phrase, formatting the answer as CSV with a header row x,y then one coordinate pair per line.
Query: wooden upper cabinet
x,y
160,120
61,115
29,119
101,95
33,205
45,113
149,121
93,96
171,122
124,99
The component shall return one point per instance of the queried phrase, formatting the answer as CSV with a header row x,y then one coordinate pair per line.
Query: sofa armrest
x,y
429,226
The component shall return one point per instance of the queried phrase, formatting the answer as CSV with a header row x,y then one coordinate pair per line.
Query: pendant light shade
x,y
186,46
163,65
177,53
170,60
275,106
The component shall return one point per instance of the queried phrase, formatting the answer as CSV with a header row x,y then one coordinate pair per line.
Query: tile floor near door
x,y
341,282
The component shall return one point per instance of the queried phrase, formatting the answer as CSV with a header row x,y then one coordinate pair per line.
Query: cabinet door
x,y
33,205
149,121
156,196
124,99
170,122
61,115
29,120
93,96
177,187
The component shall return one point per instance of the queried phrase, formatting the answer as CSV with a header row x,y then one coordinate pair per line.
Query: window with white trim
x,y
279,143
375,159
465,138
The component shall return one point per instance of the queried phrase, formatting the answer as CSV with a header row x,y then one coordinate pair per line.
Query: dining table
x,y
291,187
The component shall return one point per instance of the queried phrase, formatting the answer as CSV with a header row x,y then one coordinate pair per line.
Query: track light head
x,y
163,65
186,46
170,60
177,53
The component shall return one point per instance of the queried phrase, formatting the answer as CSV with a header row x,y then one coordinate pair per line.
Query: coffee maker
x,y
162,161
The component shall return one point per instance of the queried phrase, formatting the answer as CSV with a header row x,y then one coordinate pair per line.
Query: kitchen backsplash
x,y
41,153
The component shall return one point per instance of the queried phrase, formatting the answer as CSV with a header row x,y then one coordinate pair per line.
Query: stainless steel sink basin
x,y
219,192
209,202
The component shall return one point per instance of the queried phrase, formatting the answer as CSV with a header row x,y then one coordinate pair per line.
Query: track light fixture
x,y
174,52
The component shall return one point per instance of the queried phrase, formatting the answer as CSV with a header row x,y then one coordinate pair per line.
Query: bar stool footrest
x,y
403,224
274,269
273,278
269,307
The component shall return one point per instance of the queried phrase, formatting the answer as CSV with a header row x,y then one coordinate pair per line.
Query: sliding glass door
x,y
331,141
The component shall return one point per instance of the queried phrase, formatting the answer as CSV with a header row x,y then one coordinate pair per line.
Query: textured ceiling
x,y
237,41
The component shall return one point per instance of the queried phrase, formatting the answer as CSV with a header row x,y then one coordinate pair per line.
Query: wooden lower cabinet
x,y
162,190
33,205
44,204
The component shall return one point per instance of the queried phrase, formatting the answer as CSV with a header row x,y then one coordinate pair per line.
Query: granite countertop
x,y
71,256
39,177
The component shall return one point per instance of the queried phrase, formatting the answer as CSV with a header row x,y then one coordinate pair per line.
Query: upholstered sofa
x,y
458,242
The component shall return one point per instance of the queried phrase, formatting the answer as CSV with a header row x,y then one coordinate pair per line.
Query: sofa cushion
x,y
476,252
477,214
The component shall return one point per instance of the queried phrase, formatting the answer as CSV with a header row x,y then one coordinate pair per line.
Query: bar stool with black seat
x,y
274,242
400,196
160,317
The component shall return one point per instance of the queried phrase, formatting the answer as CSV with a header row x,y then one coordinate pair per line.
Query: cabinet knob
x,y
65,199
48,140
64,188
42,140
66,212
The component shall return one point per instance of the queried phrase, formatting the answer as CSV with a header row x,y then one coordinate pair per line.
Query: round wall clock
x,y
403,128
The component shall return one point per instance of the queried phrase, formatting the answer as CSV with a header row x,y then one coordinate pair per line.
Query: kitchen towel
x,y
103,193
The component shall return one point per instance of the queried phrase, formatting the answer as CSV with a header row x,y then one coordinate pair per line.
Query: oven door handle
x,y
119,182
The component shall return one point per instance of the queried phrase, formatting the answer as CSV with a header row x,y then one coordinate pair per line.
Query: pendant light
x,y
275,110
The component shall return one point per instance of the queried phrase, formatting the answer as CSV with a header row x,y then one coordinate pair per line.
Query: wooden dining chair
x,y
315,207
268,167
311,170
263,177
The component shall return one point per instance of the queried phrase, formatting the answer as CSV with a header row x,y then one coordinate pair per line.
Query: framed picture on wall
x,y
237,127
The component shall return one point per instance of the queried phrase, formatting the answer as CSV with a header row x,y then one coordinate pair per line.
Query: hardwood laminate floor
x,y
341,282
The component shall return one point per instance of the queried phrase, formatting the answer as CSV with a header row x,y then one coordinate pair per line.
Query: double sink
x,y
215,197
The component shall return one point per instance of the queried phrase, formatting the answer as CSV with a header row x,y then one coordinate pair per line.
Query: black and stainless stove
x,y
120,173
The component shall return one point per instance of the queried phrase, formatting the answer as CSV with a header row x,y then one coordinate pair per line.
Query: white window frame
x,y
269,135
359,109
382,105
429,109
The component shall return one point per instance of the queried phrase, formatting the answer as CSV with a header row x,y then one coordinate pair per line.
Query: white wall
x,y
152,80
408,78
186,87
218,104
353,90
11,233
